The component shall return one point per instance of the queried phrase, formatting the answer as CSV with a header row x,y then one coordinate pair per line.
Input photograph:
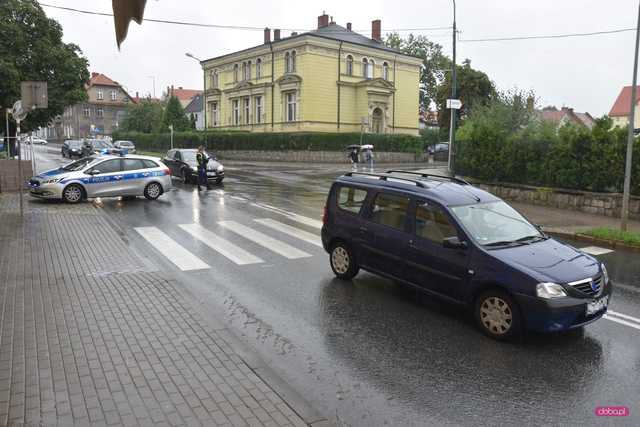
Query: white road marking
x,y
268,242
291,231
295,217
622,322
624,316
595,250
220,245
175,253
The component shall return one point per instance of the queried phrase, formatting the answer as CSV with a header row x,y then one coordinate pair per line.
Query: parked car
x,y
441,147
452,240
126,145
182,163
96,146
27,140
72,148
103,176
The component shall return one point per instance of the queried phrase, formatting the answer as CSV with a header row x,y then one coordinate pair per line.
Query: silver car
x,y
103,176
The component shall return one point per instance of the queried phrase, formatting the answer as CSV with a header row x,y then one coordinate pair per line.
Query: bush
x,y
497,145
220,141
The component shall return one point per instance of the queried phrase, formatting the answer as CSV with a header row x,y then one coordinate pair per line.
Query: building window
x,y
100,95
385,71
99,112
291,106
113,95
247,111
365,68
248,77
214,79
235,73
236,112
214,113
290,62
370,69
258,103
259,68
349,65
87,112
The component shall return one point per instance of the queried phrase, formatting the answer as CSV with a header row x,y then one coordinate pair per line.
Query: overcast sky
x,y
583,72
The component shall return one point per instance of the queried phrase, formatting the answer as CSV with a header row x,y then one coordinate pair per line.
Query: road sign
x,y
34,95
455,104
18,112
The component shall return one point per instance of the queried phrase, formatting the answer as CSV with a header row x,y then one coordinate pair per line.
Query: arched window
x,y
385,71
287,62
214,79
370,69
365,68
244,71
349,65
259,68
235,73
293,61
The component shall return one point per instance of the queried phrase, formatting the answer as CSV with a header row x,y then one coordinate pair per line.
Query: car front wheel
x,y
342,261
498,315
152,191
72,193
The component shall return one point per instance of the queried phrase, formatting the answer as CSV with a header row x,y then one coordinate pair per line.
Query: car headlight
x,y
53,180
605,274
220,168
550,290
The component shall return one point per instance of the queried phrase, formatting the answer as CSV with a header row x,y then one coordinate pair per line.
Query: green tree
x,y
435,64
145,116
174,115
473,88
31,48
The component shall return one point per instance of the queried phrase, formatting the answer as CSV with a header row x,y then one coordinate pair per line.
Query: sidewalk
x,y
91,335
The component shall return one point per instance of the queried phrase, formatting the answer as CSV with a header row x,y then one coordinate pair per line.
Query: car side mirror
x,y
454,243
93,172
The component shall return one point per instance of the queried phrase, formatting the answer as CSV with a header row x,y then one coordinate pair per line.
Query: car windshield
x,y
125,143
495,224
78,164
190,156
75,144
100,144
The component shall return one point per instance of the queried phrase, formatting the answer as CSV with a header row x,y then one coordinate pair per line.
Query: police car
x,y
103,176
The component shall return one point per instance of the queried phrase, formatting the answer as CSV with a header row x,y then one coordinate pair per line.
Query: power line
x,y
226,27
550,36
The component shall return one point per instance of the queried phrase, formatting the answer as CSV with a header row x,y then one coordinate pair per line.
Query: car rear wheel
x,y
498,315
152,191
342,261
185,176
72,193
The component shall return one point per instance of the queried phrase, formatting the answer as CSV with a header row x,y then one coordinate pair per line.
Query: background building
x,y
101,114
620,111
196,108
328,80
185,96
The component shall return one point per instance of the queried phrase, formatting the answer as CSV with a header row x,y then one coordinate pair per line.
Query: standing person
x,y
202,159
354,159
368,155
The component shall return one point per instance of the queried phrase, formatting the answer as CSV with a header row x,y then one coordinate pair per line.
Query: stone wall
x,y
316,156
607,204
9,179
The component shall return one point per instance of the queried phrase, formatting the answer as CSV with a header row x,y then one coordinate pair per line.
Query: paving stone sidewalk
x,y
90,335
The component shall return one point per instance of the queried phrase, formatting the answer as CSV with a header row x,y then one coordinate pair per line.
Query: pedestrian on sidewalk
x,y
354,159
202,159
368,156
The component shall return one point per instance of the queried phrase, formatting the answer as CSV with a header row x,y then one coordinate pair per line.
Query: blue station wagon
x,y
450,239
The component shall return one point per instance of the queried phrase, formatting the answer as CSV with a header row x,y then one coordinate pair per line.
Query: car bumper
x,y
560,314
46,191
211,175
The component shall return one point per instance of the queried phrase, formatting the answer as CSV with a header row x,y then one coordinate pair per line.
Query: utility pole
x,y
630,137
452,127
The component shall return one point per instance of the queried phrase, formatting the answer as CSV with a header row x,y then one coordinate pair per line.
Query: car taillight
x,y
167,171
324,215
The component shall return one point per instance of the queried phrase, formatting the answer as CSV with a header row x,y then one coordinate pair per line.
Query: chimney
x,y
94,74
323,20
267,35
180,87
376,30
276,35
349,26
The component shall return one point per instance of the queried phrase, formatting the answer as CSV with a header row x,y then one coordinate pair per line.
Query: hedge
x,y
219,141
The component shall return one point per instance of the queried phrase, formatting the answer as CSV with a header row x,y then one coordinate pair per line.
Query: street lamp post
x,y
452,127
630,137
204,89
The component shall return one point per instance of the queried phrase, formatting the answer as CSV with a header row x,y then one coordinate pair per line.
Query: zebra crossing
x,y
254,234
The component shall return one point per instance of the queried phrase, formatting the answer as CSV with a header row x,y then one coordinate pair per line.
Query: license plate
x,y
597,305
211,174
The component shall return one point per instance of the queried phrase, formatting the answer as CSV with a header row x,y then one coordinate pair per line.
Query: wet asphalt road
x,y
368,352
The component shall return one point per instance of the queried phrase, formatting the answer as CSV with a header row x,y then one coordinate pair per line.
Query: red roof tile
x,y
185,94
622,104
101,79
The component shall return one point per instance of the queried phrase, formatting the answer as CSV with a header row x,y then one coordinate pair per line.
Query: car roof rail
x,y
381,177
431,175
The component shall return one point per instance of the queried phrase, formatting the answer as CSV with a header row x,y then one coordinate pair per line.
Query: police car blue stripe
x,y
114,177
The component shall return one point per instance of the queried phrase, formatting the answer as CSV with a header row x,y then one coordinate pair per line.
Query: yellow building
x,y
331,79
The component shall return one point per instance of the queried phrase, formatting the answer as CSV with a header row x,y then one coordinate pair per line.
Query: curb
x,y
611,244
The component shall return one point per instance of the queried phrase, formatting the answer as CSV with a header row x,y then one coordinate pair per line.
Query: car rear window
x,y
351,199
390,210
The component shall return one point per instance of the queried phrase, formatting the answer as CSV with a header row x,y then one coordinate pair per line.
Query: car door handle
x,y
118,177
363,229
412,244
